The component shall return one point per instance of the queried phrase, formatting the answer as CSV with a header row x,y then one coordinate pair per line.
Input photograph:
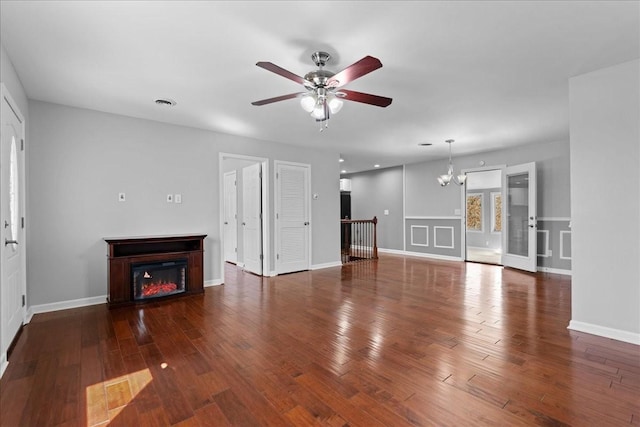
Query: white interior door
x,y
230,217
519,217
12,290
293,221
252,218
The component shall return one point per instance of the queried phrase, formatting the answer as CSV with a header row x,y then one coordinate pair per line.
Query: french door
x,y
519,240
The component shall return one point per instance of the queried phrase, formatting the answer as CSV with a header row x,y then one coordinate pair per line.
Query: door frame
x,y
463,204
307,202
266,254
22,248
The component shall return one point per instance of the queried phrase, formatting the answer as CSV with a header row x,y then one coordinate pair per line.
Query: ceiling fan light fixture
x,y
319,112
324,96
308,102
335,104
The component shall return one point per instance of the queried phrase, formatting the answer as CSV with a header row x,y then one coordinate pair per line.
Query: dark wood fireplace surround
x,y
124,251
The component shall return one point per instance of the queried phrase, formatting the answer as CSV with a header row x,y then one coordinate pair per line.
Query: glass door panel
x,y
519,236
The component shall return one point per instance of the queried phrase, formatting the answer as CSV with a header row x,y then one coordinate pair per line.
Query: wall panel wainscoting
x,y
435,237
554,245
398,341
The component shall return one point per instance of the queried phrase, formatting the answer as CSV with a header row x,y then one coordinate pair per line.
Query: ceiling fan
x,y
324,93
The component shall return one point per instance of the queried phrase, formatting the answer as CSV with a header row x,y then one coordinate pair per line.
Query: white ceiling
x,y
487,74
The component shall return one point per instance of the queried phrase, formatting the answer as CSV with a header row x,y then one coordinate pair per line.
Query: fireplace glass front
x,y
158,279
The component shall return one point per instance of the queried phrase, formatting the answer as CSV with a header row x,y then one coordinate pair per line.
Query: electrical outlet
x,y
169,198
177,198
121,197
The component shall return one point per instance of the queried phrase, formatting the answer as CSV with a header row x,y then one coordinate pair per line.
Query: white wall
x,y
79,160
605,165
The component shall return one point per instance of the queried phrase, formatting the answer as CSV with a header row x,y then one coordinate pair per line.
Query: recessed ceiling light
x,y
343,171
425,144
341,160
376,166
165,102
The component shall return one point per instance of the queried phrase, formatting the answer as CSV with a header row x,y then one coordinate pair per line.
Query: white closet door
x,y
252,218
293,229
230,217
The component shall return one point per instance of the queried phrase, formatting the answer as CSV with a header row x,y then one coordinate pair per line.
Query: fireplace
x,y
173,267
158,279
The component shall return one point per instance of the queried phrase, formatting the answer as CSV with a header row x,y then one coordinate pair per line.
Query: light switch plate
x,y
386,211
169,198
177,198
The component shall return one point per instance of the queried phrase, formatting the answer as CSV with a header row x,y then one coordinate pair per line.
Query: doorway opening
x,y
244,213
482,202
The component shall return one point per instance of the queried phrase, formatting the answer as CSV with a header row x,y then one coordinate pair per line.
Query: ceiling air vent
x,y
166,102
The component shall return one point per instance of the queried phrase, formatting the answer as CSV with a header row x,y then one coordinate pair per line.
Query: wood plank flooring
x,y
400,341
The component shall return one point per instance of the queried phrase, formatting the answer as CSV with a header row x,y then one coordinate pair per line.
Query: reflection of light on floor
x,y
105,400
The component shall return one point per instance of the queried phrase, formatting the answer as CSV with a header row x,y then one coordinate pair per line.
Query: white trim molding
x,y
554,218
326,265
433,217
546,253
435,237
562,233
433,256
64,305
554,271
603,331
214,282
3,364
392,251
426,235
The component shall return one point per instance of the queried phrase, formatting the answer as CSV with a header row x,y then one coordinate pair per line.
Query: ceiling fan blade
x,y
269,66
354,71
365,98
277,98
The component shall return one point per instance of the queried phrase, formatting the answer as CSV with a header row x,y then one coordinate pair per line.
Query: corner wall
x,y
605,201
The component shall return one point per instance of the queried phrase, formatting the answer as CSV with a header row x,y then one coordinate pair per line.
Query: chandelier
x,y
445,179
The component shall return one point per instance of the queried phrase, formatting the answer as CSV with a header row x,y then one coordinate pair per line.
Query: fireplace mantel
x,y
125,251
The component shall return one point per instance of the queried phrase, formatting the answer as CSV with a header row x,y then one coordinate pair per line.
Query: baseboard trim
x,y
554,271
392,251
64,305
326,265
3,364
603,331
433,256
214,282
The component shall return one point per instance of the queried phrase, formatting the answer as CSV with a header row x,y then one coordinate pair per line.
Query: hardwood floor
x,y
398,342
